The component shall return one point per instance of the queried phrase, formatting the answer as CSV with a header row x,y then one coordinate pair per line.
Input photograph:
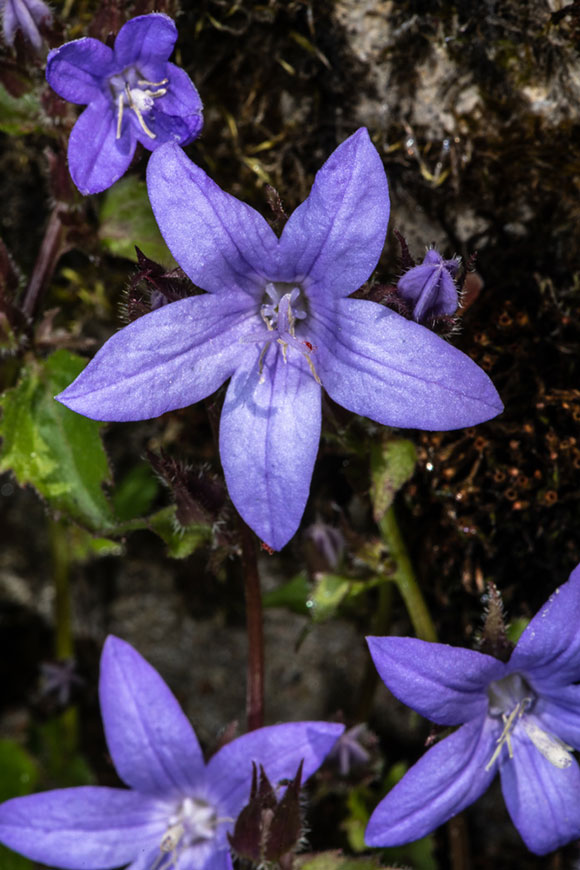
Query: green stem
x,y
405,579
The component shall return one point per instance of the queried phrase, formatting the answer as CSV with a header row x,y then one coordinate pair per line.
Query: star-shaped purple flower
x,y
133,93
521,718
178,810
26,16
275,318
430,288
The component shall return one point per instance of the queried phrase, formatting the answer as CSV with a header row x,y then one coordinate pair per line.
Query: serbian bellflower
x,y
133,94
26,16
178,810
430,288
521,718
275,318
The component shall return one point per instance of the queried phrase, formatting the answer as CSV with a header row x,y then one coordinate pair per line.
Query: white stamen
x,y
505,736
134,100
551,747
154,84
121,102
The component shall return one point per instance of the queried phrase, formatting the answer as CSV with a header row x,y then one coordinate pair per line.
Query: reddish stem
x,y
51,249
255,673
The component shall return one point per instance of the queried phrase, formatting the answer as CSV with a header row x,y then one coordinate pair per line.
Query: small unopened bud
x,y
430,289
494,640
152,286
267,829
199,495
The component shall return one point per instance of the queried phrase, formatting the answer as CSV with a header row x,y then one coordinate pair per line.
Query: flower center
x,y
135,93
194,822
513,700
282,307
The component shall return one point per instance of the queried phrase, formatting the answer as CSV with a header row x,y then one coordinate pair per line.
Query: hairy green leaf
x,y
127,220
53,449
392,465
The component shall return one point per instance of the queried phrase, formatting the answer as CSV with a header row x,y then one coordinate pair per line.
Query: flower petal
x,y
92,827
443,683
151,741
220,242
376,363
549,648
176,117
449,777
10,23
76,69
336,236
542,799
269,434
146,39
167,359
96,158
24,15
278,748
205,856
558,708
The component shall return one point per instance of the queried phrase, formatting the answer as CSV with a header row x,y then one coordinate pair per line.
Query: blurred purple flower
x,y
59,679
178,809
430,288
26,16
348,751
275,319
328,541
133,93
521,718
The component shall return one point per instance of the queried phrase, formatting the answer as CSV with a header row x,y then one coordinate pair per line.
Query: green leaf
x,y
357,820
516,628
127,220
335,860
11,861
83,546
18,776
292,595
329,592
55,743
19,115
53,449
181,541
135,493
392,464
18,771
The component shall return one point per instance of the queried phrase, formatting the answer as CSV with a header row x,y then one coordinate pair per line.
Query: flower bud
x,y
430,289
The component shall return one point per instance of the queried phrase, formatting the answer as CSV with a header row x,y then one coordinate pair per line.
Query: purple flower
x,y
133,93
275,318
349,750
521,718
178,810
27,16
430,288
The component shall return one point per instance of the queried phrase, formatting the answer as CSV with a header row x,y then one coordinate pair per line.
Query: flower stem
x,y
51,248
405,579
255,673
64,640
379,627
